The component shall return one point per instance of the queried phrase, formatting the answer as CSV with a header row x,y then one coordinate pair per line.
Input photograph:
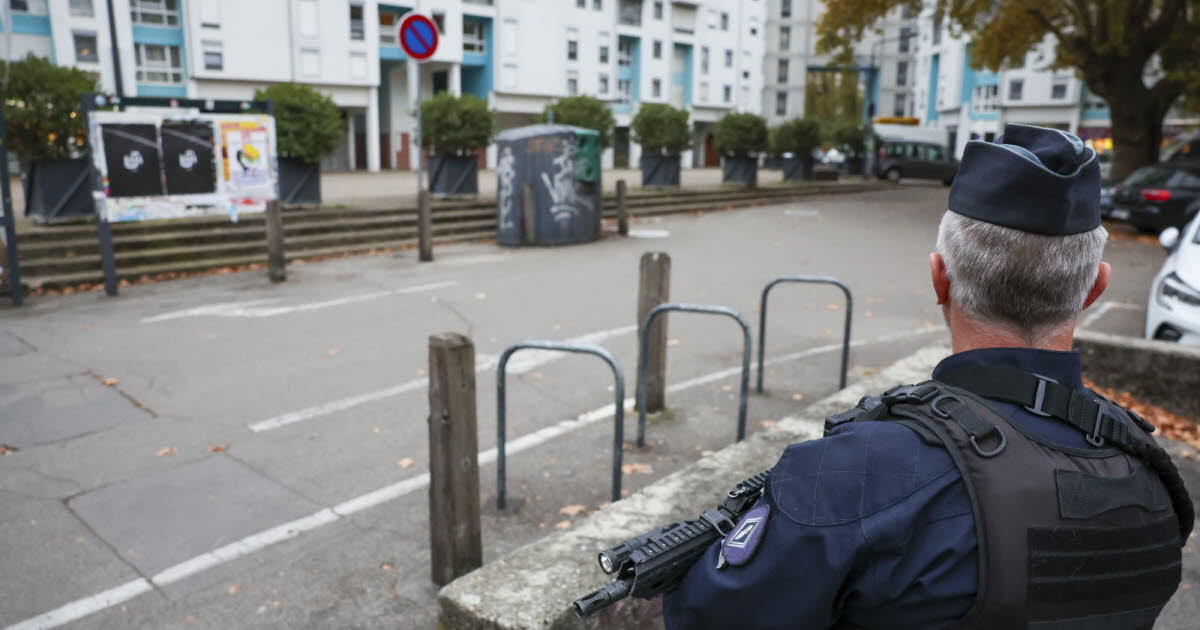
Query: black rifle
x,y
649,565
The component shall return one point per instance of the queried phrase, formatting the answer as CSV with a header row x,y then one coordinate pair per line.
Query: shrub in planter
x,y
583,111
798,136
308,127
739,139
850,137
454,127
664,134
47,130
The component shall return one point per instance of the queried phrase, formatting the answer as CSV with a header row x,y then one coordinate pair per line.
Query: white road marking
x,y
1103,309
258,308
801,213
648,233
520,363
257,542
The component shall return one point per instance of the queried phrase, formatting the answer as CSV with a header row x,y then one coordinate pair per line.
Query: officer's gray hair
x,y
1028,284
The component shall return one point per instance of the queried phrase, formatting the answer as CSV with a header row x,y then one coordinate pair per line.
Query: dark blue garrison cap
x,y
1032,179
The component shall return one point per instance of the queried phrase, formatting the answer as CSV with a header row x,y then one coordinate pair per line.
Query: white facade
x,y
519,55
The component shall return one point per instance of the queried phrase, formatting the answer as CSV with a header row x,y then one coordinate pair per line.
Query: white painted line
x,y
257,542
521,362
258,308
801,213
649,233
1103,309
83,607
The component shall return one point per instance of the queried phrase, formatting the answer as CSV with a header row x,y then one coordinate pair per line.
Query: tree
x,y
583,111
847,133
455,125
740,135
43,108
1141,56
798,136
661,128
307,123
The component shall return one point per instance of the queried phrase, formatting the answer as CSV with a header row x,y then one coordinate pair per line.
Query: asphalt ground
x,y
218,452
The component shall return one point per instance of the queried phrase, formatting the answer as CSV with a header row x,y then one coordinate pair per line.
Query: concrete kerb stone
x,y
534,587
1160,373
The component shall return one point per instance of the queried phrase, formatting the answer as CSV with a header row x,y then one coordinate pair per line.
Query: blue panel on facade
x,y
631,73
31,24
931,111
156,35
684,78
477,70
162,91
392,53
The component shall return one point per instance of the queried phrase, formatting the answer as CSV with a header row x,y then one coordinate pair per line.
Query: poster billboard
x,y
178,164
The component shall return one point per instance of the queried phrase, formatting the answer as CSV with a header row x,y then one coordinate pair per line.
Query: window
x,y
604,54
624,91
158,64
657,49
783,70
310,62
724,21
785,8
572,86
214,60
82,8
603,83
984,97
629,12
474,38
1058,89
727,93
152,12
28,7
388,29
901,102
1016,89
358,65
704,60
625,53
658,10
85,47
308,18
728,58
509,76
937,32
656,88
901,73
356,22
598,5
572,50
439,18
581,4
510,36
781,103
785,37
906,34
704,91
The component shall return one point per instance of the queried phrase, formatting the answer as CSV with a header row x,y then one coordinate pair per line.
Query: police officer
x,y
1000,494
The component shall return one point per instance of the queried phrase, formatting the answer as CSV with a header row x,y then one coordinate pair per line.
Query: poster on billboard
x,y
178,163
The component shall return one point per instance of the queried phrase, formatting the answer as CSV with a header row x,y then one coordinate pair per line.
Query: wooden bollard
x,y
455,539
425,226
622,210
276,259
654,288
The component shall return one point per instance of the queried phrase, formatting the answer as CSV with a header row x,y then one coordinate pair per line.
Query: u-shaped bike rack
x,y
645,350
762,319
501,416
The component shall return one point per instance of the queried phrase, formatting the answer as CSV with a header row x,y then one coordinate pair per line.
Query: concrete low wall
x,y
1160,373
533,587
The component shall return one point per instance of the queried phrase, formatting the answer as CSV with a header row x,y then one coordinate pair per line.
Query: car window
x,y
1149,176
1186,180
914,151
937,154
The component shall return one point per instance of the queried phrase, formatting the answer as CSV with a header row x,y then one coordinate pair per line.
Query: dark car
x,y
915,160
1157,197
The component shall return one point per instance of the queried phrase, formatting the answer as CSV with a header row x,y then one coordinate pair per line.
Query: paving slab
x,y
56,408
12,346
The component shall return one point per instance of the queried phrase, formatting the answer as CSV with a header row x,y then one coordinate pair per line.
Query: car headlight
x,y
1174,290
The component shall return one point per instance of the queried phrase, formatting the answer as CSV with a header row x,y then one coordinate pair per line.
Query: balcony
x,y
629,13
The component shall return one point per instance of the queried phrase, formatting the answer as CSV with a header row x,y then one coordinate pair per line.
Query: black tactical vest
x,y
1069,539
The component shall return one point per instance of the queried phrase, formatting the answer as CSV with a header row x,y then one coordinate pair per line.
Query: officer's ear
x,y
1099,285
941,282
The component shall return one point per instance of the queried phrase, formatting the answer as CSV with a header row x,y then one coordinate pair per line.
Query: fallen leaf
x,y
558,327
6,449
705,453
480,296
109,382
562,524
1177,427
766,424
641,469
624,493
535,375
797,396
672,342
404,463
572,510
727,388
929,325
190,619
218,448
868,313
232,589
541,526
333,352
421,372
386,566
166,450
831,306
603,505
375,430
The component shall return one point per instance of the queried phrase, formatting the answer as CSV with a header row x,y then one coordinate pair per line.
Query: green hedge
x,y
43,117
456,125
583,111
740,135
661,128
308,126
847,134
798,135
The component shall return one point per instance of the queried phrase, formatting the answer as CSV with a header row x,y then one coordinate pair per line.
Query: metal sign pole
x,y
16,289
417,134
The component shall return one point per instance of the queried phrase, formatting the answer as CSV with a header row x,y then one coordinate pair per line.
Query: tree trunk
x,y
1136,132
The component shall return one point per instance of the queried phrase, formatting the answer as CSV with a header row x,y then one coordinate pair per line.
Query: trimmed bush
x,y
308,126
798,136
456,125
661,129
740,135
583,111
42,109
849,135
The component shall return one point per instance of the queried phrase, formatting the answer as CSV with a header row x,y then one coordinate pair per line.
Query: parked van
x,y
915,160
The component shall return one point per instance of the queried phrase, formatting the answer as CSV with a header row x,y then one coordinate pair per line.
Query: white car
x,y
1173,312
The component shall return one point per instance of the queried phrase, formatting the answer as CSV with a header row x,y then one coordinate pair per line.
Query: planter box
x,y
59,189
742,171
798,169
299,181
660,171
453,176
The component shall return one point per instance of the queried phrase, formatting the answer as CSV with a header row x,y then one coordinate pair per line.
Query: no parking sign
x,y
418,37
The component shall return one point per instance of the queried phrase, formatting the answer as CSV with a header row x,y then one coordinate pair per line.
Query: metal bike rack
x,y
645,350
762,319
619,411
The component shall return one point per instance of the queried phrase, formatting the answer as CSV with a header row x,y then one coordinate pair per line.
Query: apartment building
x,y
884,61
519,55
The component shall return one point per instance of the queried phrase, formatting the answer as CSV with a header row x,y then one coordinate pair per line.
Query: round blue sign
x,y
418,37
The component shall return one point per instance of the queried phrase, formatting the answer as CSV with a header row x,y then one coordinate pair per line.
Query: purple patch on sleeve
x,y
743,540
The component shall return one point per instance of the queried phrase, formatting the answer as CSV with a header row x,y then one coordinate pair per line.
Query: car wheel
x,y
893,175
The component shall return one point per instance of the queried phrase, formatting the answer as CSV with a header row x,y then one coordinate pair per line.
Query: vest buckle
x,y
1094,438
915,394
1039,397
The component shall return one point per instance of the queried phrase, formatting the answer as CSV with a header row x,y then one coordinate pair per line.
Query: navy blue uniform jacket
x,y
869,525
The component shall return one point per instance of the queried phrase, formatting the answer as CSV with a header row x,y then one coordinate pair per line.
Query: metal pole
x,y
116,51
762,320
417,134
16,289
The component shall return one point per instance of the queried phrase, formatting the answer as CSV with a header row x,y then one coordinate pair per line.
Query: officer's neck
x,y
969,334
